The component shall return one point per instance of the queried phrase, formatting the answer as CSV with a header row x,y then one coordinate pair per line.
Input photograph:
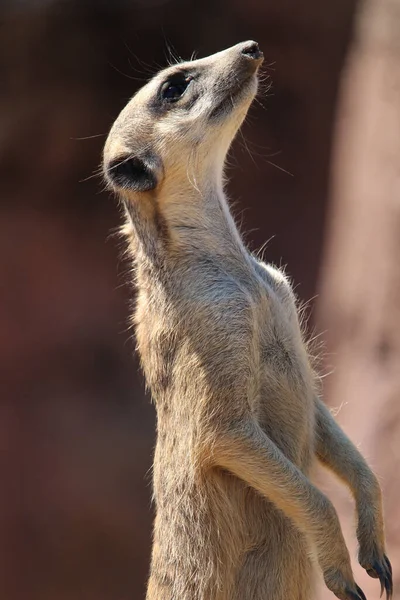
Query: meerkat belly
x,y
200,531
208,522
207,528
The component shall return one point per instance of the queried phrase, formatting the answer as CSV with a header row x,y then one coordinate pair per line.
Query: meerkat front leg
x,y
338,453
247,452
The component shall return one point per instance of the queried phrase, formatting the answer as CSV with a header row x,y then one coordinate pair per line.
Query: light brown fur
x,y
239,423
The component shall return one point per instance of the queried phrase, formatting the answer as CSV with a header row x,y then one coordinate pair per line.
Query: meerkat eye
x,y
173,89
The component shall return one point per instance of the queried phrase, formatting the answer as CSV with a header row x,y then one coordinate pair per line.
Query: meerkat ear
x,y
136,173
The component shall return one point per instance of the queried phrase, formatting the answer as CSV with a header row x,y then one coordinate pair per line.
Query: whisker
x,y
99,170
143,65
121,72
279,168
88,137
260,252
173,57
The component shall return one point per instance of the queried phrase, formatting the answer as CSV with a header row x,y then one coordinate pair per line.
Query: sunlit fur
x,y
239,424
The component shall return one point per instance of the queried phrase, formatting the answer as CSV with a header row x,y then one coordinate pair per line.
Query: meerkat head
x,y
179,126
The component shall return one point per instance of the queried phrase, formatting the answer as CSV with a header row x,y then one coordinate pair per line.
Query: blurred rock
x,y
360,307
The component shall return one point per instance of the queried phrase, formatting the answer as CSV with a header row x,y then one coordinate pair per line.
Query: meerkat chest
x,y
203,332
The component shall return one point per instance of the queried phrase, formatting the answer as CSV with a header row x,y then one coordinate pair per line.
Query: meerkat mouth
x,y
229,101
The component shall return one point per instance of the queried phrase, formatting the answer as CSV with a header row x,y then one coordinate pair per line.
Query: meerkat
x,y
239,418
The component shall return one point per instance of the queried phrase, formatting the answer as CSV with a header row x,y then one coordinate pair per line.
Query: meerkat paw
x,y
378,566
343,587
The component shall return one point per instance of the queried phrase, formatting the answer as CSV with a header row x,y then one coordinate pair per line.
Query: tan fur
x,y
239,424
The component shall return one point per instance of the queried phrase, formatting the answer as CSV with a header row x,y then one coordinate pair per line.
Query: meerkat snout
x,y
252,50
182,122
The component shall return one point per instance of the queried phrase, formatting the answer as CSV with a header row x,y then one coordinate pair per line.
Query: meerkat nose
x,y
252,50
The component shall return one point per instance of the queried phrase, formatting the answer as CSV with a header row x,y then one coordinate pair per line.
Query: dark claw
x,y
377,572
352,595
360,593
389,586
388,565
384,574
389,578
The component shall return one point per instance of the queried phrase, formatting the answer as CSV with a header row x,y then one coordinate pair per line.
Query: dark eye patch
x,y
173,89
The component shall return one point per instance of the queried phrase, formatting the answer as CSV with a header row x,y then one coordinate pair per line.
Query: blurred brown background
x,y
76,428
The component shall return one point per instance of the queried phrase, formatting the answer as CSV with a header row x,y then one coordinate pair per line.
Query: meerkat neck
x,y
186,222
203,218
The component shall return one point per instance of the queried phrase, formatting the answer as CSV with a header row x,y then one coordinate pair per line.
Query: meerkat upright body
x,y
239,423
